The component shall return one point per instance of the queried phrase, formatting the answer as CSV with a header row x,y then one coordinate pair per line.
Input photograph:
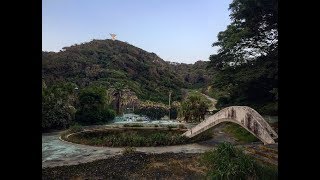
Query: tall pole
x,y
169,103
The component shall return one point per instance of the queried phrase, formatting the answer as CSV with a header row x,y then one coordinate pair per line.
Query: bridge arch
x,y
245,116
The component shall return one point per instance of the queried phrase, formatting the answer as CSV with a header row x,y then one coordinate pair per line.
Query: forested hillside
x,y
109,63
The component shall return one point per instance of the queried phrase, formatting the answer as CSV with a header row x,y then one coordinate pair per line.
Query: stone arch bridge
x,y
245,116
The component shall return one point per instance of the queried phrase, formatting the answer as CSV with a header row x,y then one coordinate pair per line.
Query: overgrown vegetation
x,y
93,107
128,150
136,138
194,108
246,66
239,133
132,125
58,103
75,128
153,112
106,62
229,162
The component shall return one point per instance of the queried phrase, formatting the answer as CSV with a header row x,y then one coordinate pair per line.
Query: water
x,y
137,119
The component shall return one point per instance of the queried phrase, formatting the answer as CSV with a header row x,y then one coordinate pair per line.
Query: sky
x,y
176,30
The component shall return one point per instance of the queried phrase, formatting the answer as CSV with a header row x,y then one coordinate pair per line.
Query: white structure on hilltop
x,y
113,36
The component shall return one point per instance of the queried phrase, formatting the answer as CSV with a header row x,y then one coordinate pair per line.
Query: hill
x,y
111,63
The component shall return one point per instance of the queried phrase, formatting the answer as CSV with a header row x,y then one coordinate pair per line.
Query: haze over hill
x,y
107,63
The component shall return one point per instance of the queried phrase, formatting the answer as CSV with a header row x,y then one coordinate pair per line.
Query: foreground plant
x,y
128,150
229,162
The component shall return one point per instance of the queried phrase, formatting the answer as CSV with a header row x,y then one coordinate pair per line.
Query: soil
x,y
133,166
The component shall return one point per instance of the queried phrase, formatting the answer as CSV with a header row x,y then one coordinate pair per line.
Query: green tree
x,y
153,112
93,106
58,106
247,62
194,108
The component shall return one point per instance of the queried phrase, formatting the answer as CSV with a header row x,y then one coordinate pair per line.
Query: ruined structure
x,y
113,36
245,116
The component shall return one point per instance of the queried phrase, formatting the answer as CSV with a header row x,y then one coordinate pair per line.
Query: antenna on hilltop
x,y
113,36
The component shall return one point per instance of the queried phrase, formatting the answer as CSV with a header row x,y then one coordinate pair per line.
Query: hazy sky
x,y
176,30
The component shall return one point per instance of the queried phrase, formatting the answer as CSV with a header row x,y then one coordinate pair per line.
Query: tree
x,y
194,108
57,106
93,106
252,33
153,112
247,62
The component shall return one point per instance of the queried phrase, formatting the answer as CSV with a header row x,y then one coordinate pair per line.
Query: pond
x,y
144,120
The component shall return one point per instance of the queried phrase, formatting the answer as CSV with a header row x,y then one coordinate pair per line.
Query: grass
x,y
229,162
135,138
132,125
75,128
128,150
240,133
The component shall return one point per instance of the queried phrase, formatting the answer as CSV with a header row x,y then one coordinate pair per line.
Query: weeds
x,y
136,138
75,128
229,162
240,133
128,150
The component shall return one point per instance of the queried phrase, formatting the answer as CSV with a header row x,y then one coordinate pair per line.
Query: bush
x,y
152,112
128,150
94,116
182,126
194,108
135,138
75,128
173,113
229,162
170,126
223,102
57,107
215,111
269,109
93,102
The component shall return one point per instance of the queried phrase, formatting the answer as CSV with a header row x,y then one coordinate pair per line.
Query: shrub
x,y
152,112
128,150
75,128
171,126
269,109
135,138
194,108
215,111
229,162
173,113
94,116
93,106
57,106
182,126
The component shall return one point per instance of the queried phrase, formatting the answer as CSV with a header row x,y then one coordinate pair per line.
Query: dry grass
x,y
178,168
